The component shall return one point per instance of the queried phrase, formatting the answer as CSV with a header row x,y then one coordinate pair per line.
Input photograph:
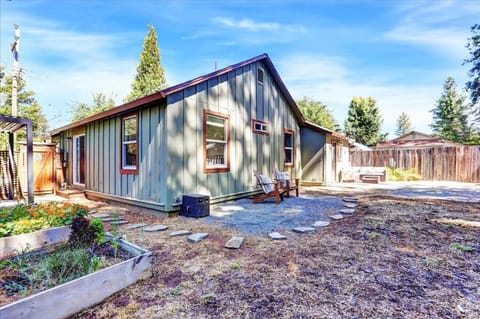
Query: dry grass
x,y
390,260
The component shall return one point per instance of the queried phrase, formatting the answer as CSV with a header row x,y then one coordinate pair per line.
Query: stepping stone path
x,y
350,205
180,233
195,238
155,228
234,243
276,236
350,199
321,223
304,230
336,216
112,219
102,216
348,211
119,222
135,226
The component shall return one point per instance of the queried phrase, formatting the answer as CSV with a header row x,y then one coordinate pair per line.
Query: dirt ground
x,y
394,258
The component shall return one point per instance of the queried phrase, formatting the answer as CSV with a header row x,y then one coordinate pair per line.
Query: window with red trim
x,y
129,152
216,140
289,147
260,127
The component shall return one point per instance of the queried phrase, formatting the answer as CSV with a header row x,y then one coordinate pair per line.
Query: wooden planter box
x,y
71,297
34,240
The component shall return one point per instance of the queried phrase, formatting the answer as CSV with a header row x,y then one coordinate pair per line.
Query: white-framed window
x,y
216,142
260,127
129,154
289,147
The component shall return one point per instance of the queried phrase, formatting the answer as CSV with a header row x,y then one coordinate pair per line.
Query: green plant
x,y
235,266
399,174
98,230
461,247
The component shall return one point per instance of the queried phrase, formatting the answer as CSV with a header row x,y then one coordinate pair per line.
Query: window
x,y
260,75
260,127
216,139
288,145
129,153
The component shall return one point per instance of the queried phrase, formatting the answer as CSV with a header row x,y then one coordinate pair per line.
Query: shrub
x,y
399,174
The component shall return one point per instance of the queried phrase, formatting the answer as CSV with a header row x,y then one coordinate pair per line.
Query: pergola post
x,y
11,165
30,160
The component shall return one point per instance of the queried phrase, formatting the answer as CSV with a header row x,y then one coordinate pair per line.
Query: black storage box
x,y
195,205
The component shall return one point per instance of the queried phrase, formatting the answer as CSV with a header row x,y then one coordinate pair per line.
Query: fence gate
x,y
43,168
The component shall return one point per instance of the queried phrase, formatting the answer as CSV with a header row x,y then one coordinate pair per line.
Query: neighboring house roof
x,y
431,142
158,96
361,146
414,135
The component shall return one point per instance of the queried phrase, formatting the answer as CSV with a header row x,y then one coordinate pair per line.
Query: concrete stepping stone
x,y
119,222
100,215
180,233
135,226
155,228
112,219
336,216
276,236
304,230
195,238
348,211
321,223
350,205
234,243
350,199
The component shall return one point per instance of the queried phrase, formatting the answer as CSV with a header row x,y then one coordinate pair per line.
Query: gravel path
x,y
260,219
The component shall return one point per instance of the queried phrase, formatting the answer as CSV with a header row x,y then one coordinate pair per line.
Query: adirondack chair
x,y
269,187
283,178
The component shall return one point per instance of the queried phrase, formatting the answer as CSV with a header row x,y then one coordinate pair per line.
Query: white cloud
x,y
254,26
329,80
424,24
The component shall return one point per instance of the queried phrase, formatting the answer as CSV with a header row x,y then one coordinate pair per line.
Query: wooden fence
x,y
458,164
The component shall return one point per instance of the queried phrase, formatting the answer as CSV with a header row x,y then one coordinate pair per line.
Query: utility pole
x,y
16,69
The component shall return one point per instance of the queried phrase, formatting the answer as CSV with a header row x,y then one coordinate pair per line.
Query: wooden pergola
x,y
10,125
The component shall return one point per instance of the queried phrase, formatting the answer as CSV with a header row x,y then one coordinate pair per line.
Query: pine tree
x,y
473,86
450,115
404,125
150,76
100,104
364,121
318,113
28,107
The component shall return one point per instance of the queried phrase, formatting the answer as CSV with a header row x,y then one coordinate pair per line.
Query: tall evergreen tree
x,y
318,113
83,110
27,104
404,125
150,76
364,121
450,114
473,86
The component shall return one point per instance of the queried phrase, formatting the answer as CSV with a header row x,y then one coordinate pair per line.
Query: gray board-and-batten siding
x,y
170,143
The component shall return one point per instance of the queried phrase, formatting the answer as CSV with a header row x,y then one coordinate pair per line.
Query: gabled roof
x,y
325,130
413,134
158,96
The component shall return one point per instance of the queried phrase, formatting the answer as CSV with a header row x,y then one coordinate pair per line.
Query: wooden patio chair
x,y
283,178
269,187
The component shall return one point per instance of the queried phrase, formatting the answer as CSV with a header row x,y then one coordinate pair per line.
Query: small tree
x,y
473,86
318,113
150,76
450,115
403,125
364,121
101,103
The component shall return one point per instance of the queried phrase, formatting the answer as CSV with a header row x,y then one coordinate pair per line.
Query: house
x,y
415,139
205,136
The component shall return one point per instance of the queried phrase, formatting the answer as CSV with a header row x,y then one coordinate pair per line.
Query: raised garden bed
x,y
124,263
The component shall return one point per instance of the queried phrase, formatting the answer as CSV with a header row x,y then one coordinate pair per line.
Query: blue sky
x,y
399,52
